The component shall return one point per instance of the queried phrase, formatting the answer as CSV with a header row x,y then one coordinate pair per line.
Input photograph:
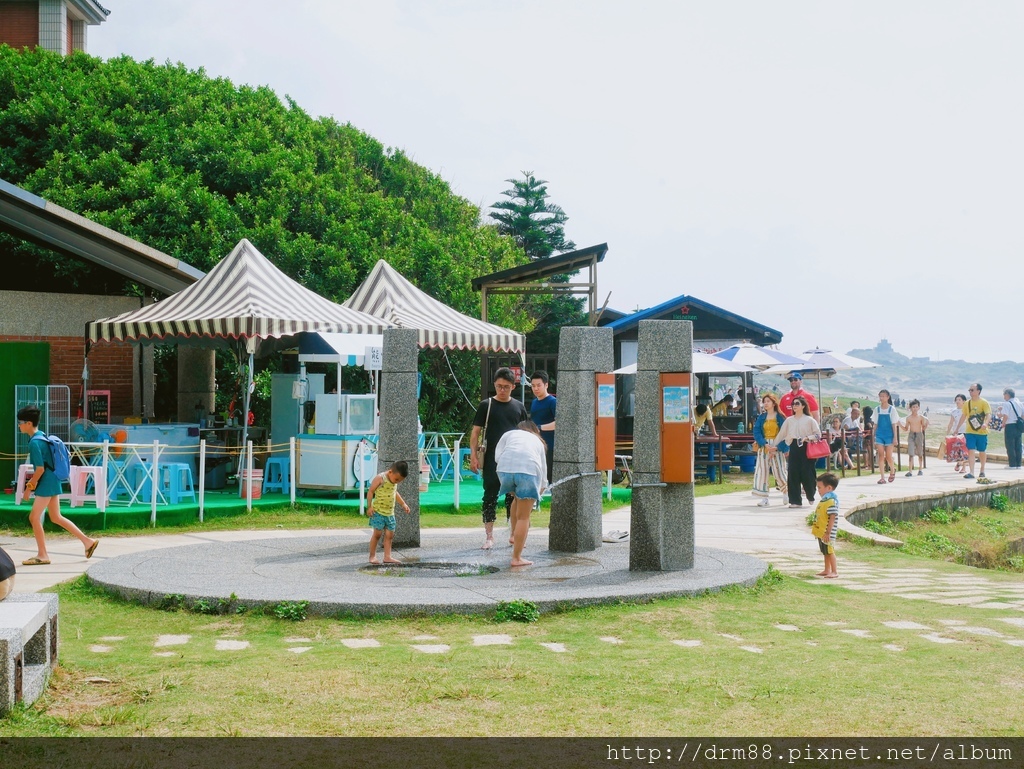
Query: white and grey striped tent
x,y
244,299
388,296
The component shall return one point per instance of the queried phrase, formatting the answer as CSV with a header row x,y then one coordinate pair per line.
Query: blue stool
x,y
117,483
176,482
277,475
142,482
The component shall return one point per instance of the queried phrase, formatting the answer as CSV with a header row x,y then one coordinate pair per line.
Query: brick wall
x,y
110,368
19,24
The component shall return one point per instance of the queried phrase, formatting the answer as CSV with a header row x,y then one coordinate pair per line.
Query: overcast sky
x,y
840,171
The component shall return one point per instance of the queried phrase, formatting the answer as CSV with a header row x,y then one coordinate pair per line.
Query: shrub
x,y
999,502
291,610
517,611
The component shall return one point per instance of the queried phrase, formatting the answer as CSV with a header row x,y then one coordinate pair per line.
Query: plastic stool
x,y
117,482
141,481
81,475
176,482
25,472
464,473
277,475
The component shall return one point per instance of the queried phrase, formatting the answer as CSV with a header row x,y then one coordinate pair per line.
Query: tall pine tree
x,y
528,217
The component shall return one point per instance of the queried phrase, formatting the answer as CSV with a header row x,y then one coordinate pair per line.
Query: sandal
x,y
91,549
881,480
892,476
35,561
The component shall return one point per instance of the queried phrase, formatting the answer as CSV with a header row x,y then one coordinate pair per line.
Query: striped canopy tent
x,y
242,302
387,295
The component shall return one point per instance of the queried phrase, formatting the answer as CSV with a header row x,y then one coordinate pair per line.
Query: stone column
x,y
576,504
196,381
399,426
661,519
53,30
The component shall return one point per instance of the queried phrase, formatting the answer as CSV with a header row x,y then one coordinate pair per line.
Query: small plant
x,y
172,602
291,610
938,515
999,502
517,611
770,579
202,606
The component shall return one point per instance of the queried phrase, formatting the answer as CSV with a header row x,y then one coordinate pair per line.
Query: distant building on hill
x,y
53,25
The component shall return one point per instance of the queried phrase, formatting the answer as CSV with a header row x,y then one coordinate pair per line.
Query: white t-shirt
x,y
1007,411
519,451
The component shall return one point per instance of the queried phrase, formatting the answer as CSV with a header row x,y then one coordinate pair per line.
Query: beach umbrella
x,y
702,364
760,358
822,363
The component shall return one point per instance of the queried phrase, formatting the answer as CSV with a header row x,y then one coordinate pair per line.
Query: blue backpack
x,y
60,455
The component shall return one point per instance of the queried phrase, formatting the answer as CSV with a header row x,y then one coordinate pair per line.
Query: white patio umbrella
x,y
702,364
760,358
822,363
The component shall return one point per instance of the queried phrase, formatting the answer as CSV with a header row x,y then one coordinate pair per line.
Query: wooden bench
x,y
28,647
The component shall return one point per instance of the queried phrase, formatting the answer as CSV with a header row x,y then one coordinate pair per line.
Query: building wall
x,y
59,320
19,24
53,21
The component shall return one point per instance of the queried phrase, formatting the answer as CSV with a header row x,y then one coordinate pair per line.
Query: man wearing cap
x,y
796,382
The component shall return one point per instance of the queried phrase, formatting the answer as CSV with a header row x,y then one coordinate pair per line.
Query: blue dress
x,y
40,455
883,427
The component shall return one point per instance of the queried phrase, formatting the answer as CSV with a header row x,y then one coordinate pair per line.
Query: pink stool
x,y
80,475
24,473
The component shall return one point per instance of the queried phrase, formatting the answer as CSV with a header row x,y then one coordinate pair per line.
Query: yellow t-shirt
x,y
771,429
976,407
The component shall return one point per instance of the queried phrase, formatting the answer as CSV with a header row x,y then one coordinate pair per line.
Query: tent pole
x,y
245,413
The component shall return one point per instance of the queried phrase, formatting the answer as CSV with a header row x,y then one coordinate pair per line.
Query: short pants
x,y
381,522
915,444
825,547
976,442
523,485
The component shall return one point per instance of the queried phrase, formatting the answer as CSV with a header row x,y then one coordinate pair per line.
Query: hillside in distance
x,y
916,377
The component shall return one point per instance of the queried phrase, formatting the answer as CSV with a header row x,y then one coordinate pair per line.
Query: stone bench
x,y
28,647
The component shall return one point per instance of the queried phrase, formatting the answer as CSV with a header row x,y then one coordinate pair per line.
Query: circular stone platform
x,y
448,574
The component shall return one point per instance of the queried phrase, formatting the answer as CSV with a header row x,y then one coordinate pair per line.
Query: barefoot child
x,y
47,488
522,468
826,522
916,425
383,493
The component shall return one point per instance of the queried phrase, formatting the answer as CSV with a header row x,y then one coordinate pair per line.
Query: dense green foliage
x,y
191,164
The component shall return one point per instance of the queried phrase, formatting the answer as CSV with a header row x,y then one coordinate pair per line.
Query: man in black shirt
x,y
6,574
499,415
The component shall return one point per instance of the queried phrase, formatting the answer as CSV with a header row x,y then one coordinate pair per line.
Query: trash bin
x,y
424,474
747,462
257,483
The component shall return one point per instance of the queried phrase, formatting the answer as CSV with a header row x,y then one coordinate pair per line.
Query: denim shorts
x,y
976,442
523,485
382,522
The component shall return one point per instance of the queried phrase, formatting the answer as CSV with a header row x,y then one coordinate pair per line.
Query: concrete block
x,y
664,345
584,348
577,527
28,647
401,350
574,435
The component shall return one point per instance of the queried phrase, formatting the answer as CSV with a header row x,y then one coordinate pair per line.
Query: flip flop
x,y
91,549
35,561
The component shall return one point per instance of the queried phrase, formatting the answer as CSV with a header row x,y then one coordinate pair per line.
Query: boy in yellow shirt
x,y
383,492
826,522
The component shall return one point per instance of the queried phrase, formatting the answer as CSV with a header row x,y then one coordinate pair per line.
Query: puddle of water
x,y
429,569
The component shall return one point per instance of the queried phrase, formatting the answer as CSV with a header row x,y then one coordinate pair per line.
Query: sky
x,y
841,172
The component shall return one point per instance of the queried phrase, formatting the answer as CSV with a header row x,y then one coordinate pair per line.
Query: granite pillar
x,y
399,426
576,504
661,518
196,382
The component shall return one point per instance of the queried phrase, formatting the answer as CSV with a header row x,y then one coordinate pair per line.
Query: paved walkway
x,y
728,522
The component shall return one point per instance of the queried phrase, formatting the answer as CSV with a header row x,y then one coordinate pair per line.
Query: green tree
x,y
538,226
191,164
535,224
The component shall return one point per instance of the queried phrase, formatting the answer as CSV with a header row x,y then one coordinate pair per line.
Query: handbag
x,y
817,449
976,421
481,447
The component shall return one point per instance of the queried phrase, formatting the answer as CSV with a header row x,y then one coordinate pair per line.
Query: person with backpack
x,y
46,483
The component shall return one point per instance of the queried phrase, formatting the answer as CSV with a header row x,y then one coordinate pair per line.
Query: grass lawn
x,y
752,661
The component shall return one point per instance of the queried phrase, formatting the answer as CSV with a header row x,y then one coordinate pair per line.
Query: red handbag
x,y
817,449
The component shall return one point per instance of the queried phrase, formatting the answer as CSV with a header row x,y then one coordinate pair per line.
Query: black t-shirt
x,y
6,565
504,417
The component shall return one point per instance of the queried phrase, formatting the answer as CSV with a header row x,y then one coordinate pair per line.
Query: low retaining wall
x,y
911,508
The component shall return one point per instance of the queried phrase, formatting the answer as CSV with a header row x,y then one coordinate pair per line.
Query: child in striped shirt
x,y
826,522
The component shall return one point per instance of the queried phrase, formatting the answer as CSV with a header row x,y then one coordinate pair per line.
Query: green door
x,y
21,363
